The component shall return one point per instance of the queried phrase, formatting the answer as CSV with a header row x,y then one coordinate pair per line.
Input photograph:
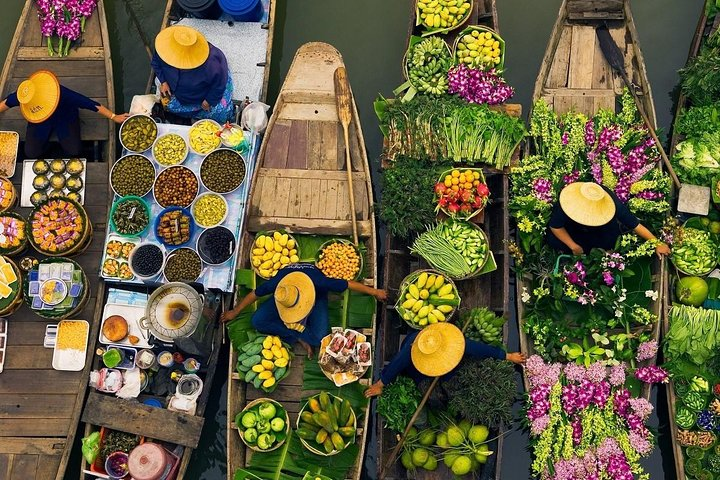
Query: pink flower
x,y
574,372
640,444
608,278
641,407
646,350
651,374
617,375
596,372
539,425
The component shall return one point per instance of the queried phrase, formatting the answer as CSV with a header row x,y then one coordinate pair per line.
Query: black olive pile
x,y
216,245
183,265
147,260
132,175
222,171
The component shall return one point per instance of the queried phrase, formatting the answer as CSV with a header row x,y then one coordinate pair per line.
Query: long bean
x,y
441,254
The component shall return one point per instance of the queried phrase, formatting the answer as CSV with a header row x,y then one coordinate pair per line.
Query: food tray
x,y
130,353
340,378
28,175
8,162
117,238
3,341
132,314
72,360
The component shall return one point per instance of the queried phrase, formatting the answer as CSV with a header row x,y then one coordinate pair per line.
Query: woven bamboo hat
x,y
437,349
587,203
39,96
294,297
182,47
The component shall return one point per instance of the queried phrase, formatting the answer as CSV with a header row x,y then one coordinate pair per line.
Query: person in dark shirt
x,y
299,309
435,351
193,73
589,216
52,108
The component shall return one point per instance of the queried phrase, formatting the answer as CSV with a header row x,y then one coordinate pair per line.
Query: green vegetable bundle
x,y
700,80
694,334
485,327
427,62
455,248
694,253
697,159
398,402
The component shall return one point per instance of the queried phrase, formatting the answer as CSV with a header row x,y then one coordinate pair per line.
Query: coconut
x,y
450,458
427,438
461,465
478,433
431,463
420,456
442,440
465,426
691,291
455,436
406,460
482,452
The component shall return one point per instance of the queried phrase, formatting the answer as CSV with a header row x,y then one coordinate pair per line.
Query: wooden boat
x,y
39,406
87,69
705,28
484,13
301,186
574,75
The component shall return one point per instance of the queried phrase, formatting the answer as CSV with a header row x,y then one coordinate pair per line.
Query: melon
x,y
691,291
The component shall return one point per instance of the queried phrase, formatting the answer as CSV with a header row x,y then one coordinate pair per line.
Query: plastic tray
x,y
115,237
70,359
132,314
15,139
130,354
27,179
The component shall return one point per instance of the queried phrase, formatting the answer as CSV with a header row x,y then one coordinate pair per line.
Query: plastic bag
x,y
91,447
143,104
254,117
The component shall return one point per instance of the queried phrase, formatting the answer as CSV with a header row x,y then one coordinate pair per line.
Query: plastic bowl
x,y
170,255
210,194
132,256
123,158
114,459
155,183
145,205
185,212
203,236
130,119
194,125
187,149
240,157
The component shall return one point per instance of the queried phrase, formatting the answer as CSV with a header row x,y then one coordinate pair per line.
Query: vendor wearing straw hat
x,y
298,310
52,108
435,351
591,216
193,74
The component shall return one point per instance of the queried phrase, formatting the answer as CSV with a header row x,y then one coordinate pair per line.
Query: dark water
x,y
371,36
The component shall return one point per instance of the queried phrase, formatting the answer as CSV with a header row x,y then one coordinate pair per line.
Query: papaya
x,y
307,417
267,354
321,435
322,419
337,405
333,418
265,374
314,405
328,445
267,364
345,412
258,368
337,440
305,434
324,399
268,383
308,426
346,432
281,362
267,342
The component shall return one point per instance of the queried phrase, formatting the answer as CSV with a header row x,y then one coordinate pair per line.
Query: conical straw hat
x,y
39,96
182,47
437,349
294,297
587,203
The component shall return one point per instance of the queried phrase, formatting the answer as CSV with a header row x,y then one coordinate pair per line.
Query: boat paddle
x,y
423,401
343,97
615,58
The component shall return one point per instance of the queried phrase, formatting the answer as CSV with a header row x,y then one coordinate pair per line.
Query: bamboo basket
x,y
270,233
479,270
23,244
405,284
309,446
479,28
15,196
79,247
254,403
408,85
475,212
361,269
61,315
434,30
17,300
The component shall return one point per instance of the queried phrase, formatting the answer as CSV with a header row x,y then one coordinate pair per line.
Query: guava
x,y
406,460
249,420
250,435
482,452
478,433
461,465
263,426
431,463
465,426
267,410
277,424
715,227
427,438
691,291
265,441
441,440
455,436
420,456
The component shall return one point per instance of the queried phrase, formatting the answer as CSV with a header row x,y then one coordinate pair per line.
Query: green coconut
x,y
691,291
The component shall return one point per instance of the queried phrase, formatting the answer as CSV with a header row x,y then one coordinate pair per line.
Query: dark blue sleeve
x,y
218,77
11,100
558,219
624,215
400,362
333,284
157,65
269,287
71,97
483,350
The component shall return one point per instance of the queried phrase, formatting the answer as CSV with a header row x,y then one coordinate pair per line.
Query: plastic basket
x,y
458,215
404,286
255,403
309,445
479,28
113,227
361,269
434,30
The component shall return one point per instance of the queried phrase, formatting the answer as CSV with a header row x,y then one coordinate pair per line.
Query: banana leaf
x,y
314,381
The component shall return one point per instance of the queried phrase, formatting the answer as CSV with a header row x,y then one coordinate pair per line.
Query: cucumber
x,y
250,376
250,361
257,382
279,372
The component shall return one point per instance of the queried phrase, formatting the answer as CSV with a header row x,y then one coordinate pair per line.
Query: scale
x,y
173,311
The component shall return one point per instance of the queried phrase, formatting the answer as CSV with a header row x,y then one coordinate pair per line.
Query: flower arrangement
x,y
584,422
64,19
478,86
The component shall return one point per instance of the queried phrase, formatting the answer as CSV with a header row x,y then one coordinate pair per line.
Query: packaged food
x,y
352,338
364,354
337,343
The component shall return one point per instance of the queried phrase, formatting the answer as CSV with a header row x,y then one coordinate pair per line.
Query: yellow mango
x,y
283,239
258,368
266,265
265,374
291,244
267,354
269,382
276,341
260,241
277,265
284,260
277,236
258,251
267,342
256,261
267,364
277,248
265,273
276,257
281,362
268,244
267,256
294,259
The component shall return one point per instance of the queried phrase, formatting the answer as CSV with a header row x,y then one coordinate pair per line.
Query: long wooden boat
x,y
301,186
574,75
705,28
484,13
39,406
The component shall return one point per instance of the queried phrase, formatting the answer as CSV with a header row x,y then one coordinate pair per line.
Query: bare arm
x,y
3,106
249,299
661,248
105,112
359,287
565,238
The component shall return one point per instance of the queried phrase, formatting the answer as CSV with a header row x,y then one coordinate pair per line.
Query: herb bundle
x,y
398,403
700,80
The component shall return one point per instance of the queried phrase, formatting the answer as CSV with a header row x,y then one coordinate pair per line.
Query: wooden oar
x,y
343,97
615,58
419,408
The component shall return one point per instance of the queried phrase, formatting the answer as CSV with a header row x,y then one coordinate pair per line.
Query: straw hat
x,y
182,47
294,297
587,203
437,349
39,96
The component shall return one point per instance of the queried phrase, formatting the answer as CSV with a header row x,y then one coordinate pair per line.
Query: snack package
x,y
352,338
337,343
364,354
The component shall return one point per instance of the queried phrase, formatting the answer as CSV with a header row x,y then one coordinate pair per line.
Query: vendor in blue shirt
x,y
589,216
193,74
435,351
298,311
52,108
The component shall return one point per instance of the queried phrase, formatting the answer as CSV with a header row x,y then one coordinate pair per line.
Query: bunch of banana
x,y
427,64
264,362
327,423
442,14
486,327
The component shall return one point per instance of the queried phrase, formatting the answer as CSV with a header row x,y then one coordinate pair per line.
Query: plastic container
x,y
185,212
145,359
163,165
208,9
149,162
201,246
126,122
147,461
165,359
112,216
116,465
132,255
243,10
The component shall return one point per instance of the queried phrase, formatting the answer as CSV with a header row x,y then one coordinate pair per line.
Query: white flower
x,y
525,297
651,294
622,296
618,313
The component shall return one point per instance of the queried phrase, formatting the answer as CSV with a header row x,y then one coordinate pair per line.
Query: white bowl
x,y
187,150
207,194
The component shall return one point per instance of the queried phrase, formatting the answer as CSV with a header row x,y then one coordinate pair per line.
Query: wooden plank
x,y
342,203
65,68
23,467
93,87
357,159
5,462
577,92
306,196
281,197
312,226
48,466
621,37
297,152
595,10
317,207
582,52
362,204
602,73
296,186
278,143
36,406
254,198
328,148
92,36
312,147
34,427
305,111
133,417
331,193
30,445
41,53
32,35
27,357
264,201
337,175
26,381
558,75
27,332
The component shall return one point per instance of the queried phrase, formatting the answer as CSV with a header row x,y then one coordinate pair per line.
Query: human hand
x,y
380,295
662,249
120,117
576,250
374,390
517,358
206,105
165,89
227,316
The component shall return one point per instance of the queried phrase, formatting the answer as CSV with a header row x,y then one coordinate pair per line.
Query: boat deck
x,y
40,406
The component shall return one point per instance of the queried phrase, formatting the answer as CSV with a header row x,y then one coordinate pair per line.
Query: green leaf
x,y
314,380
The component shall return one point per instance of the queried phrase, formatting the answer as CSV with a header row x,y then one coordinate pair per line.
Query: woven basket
x,y
79,246
346,242
15,196
10,304
458,215
61,315
323,345
309,445
496,36
430,31
23,244
672,260
255,403
479,270
270,233
408,85
405,284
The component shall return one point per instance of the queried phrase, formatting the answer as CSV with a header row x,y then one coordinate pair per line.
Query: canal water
x,y
371,36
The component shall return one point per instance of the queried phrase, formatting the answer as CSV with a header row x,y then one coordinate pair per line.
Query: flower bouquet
x,y
64,19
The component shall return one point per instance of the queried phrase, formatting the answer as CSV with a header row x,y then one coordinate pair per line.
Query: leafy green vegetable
x,y
398,403
694,336
698,120
700,79
697,159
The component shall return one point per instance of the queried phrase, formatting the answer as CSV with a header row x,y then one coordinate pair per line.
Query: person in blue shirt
x,y
52,108
193,74
435,351
298,311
